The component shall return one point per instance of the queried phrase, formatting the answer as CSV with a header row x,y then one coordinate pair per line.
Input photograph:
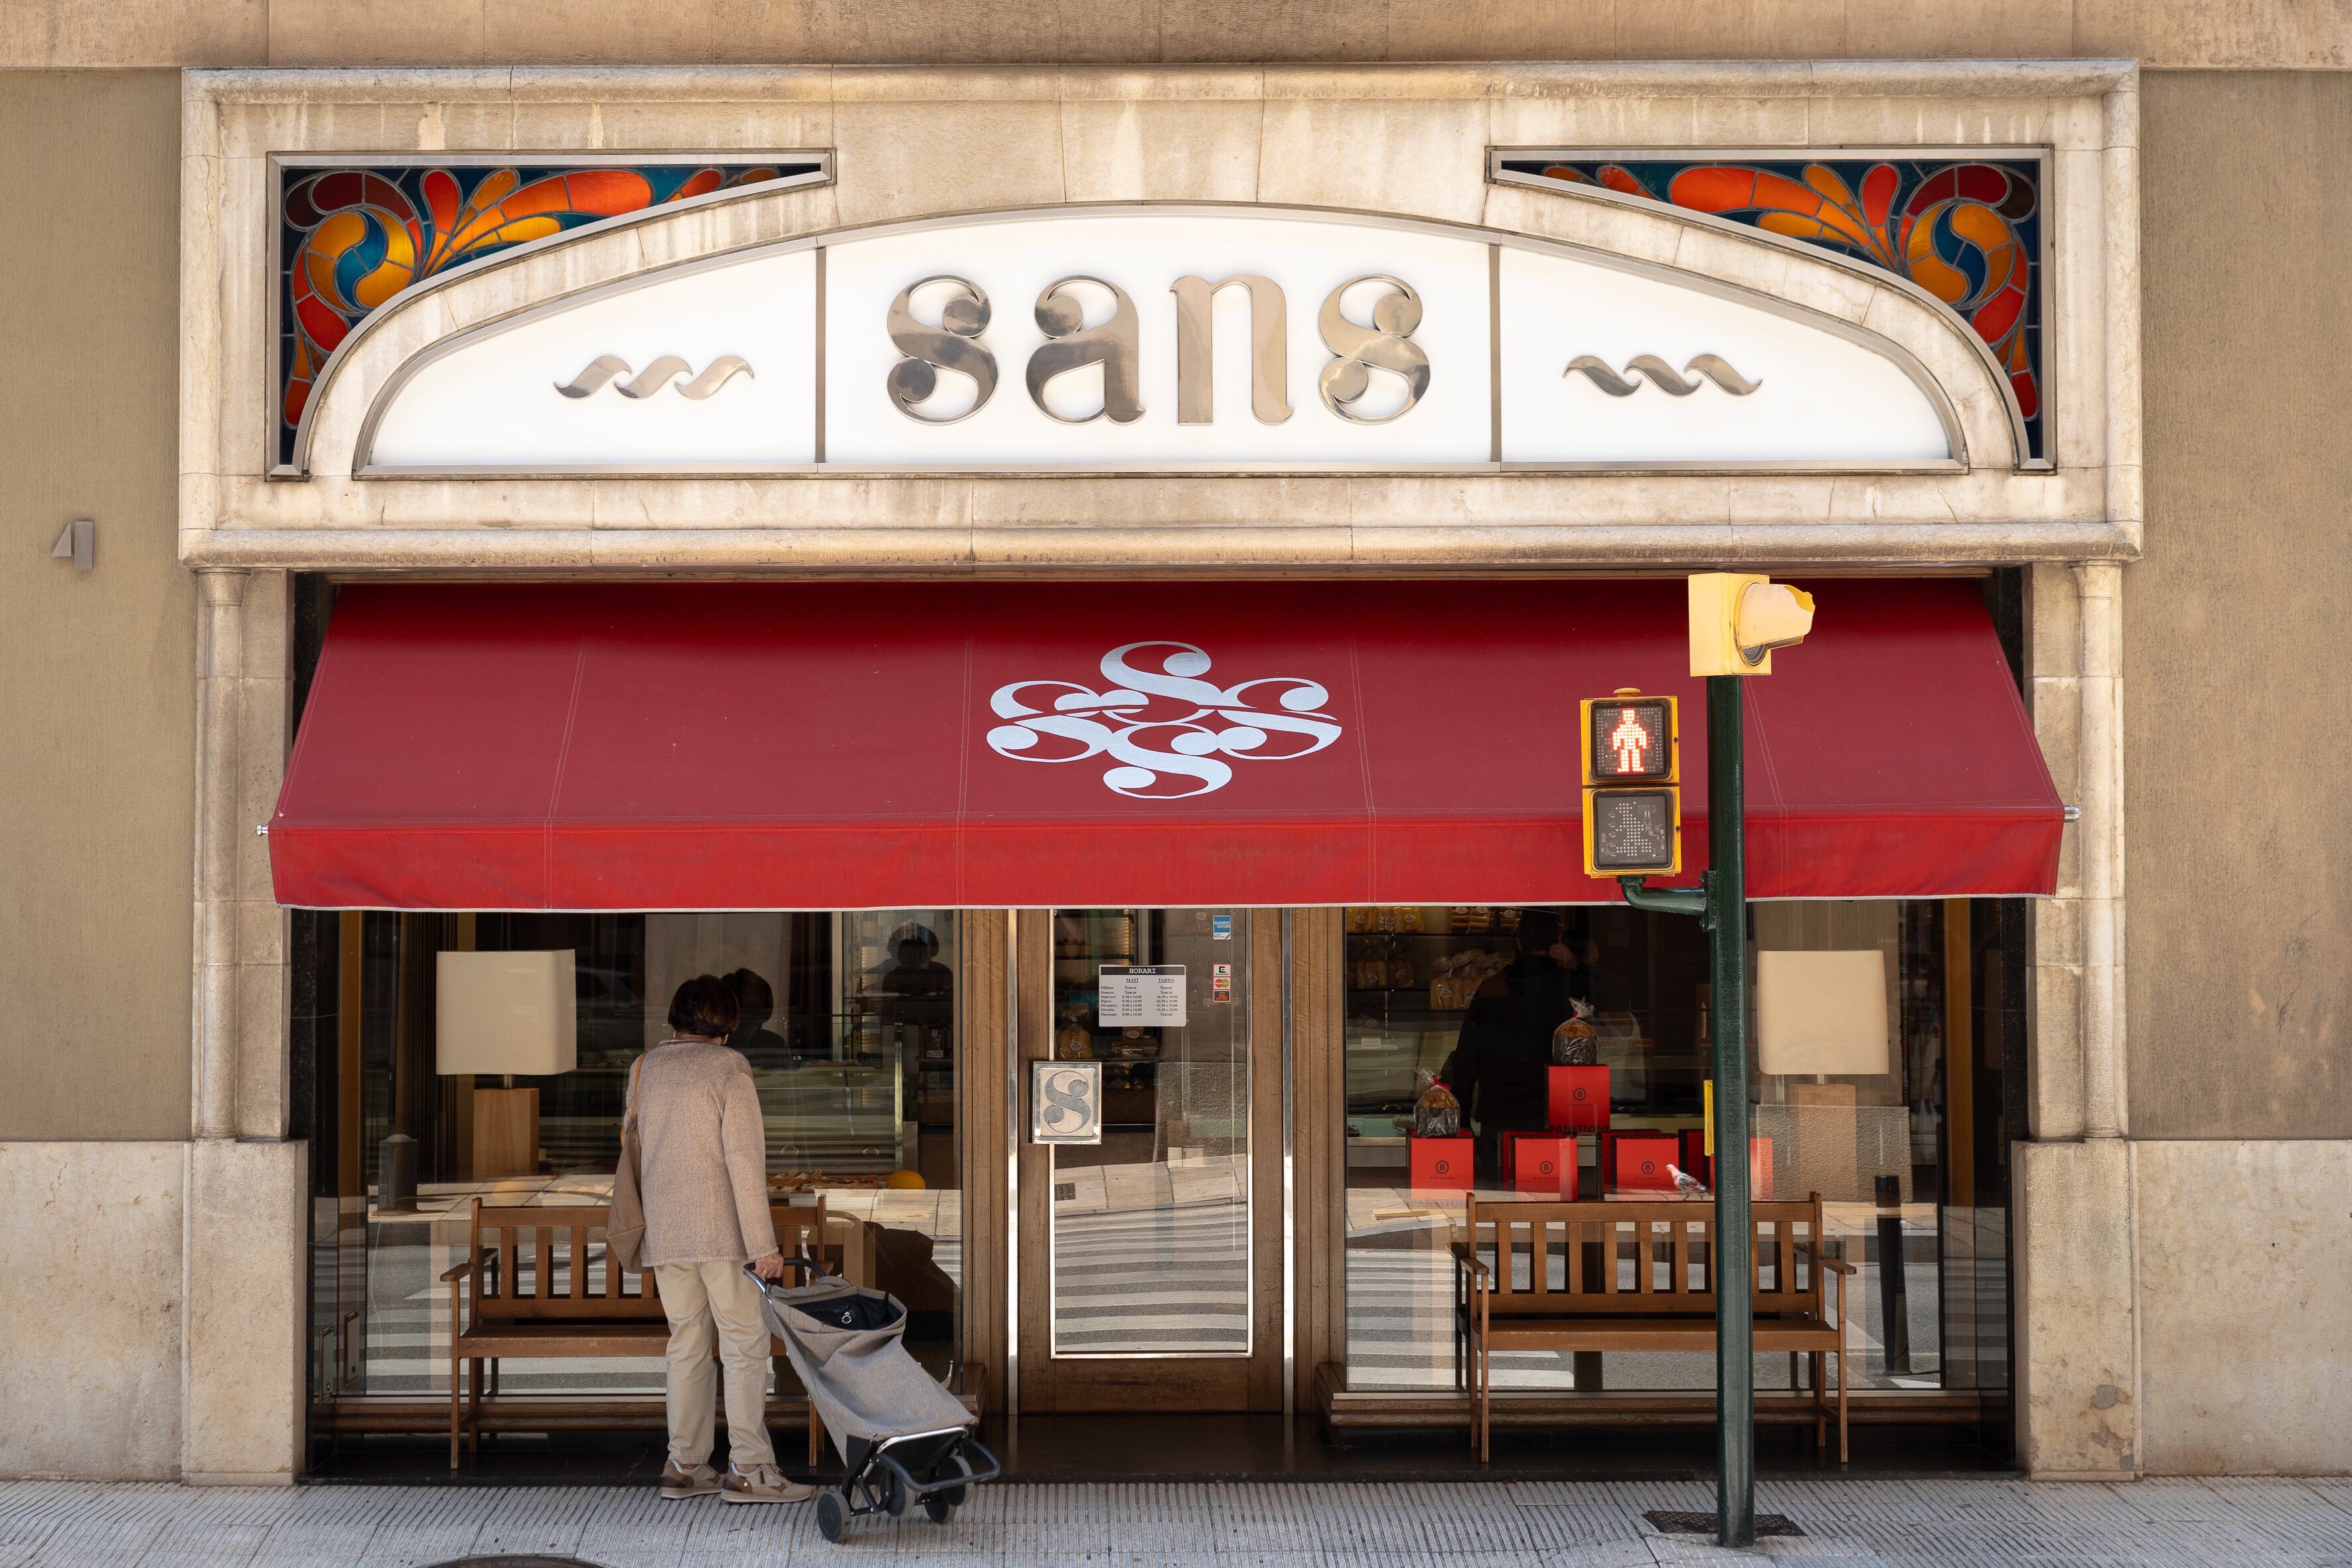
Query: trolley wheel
x,y
832,1514
956,1497
894,1497
939,1508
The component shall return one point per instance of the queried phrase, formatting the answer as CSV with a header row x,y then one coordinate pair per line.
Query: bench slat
x,y
1694,1333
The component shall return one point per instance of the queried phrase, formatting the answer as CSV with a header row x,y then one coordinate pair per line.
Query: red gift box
x,y
1636,1162
1441,1165
1580,1098
1696,1161
1541,1162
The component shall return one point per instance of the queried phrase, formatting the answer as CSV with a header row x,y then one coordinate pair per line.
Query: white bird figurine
x,y
1690,1186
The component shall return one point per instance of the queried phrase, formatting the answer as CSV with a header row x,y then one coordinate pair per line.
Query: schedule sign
x,y
1630,741
1140,995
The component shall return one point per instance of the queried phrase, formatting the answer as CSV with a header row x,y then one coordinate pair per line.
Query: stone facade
x,y
2130,1254
1309,137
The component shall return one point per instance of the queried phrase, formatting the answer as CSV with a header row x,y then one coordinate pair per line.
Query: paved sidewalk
x,y
1508,1524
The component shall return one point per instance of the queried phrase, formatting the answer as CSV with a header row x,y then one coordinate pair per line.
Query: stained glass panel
x,y
351,236
1968,230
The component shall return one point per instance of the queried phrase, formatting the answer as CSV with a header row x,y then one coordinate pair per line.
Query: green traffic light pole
x,y
1721,903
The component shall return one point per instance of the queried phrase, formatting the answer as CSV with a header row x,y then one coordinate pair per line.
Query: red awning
x,y
677,746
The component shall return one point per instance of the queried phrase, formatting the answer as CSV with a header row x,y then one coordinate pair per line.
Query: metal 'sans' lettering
x,y
1073,345
1359,350
953,344
1196,353
1114,344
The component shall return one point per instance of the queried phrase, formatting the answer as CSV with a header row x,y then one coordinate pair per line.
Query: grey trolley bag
x,y
903,1438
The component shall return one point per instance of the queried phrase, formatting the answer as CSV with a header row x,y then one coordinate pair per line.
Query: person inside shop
x,y
703,1158
755,1000
1497,1069
921,988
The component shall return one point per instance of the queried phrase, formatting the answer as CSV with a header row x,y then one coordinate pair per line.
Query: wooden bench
x,y
1636,1276
539,1283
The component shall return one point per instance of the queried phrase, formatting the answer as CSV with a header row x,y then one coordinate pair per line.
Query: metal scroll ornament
x,y
1660,374
605,368
1073,345
953,345
1360,350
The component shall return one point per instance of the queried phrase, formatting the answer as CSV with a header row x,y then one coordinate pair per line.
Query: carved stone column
x,y
2106,1113
220,665
244,1242
2076,1242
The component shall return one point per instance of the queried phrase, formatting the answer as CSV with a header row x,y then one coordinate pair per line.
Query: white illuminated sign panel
x,y
1153,340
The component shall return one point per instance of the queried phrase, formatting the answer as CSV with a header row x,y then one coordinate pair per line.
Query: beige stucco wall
x,y
2225,33
2240,941
97,669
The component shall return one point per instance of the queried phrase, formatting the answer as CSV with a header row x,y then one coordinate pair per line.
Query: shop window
x,y
1149,1229
1909,1157
850,1024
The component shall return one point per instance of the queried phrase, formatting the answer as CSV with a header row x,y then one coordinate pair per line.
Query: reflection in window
x,y
1909,1158
849,1022
1151,1228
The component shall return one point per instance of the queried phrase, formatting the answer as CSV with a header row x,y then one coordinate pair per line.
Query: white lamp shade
x,y
506,1012
1822,1012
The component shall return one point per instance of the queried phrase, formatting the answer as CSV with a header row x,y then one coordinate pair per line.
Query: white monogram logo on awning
x,y
1162,727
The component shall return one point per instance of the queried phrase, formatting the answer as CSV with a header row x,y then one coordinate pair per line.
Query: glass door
x,y
1147,1275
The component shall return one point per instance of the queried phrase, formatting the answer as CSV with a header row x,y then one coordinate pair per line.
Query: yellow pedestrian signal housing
x,y
1737,618
1631,749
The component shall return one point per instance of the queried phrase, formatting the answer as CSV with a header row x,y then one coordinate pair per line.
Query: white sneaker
x,y
762,1483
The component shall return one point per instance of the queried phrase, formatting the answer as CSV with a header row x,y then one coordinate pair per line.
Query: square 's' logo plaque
x,y
1065,1103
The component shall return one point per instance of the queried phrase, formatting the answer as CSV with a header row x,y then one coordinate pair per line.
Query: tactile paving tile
x,y
1348,1524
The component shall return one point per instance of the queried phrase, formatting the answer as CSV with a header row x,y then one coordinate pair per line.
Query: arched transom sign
x,y
1146,339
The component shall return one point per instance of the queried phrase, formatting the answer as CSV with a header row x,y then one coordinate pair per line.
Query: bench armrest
x,y
1464,1257
1837,1266
451,1276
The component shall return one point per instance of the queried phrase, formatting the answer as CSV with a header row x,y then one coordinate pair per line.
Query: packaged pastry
x,y
1436,1114
1576,1043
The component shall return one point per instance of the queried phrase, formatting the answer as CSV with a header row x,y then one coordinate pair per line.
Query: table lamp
x,y
1822,1012
503,1014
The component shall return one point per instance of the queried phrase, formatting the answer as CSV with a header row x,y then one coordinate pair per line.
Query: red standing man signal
x,y
1631,743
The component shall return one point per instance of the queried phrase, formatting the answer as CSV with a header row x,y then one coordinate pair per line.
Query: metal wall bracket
x,y
1672,901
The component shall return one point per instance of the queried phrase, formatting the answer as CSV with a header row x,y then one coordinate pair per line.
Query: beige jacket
x,y
703,1152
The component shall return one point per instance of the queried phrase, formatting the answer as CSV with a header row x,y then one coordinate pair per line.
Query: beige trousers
x,y
697,1298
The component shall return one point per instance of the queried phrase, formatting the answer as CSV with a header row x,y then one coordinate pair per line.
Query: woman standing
x,y
703,1155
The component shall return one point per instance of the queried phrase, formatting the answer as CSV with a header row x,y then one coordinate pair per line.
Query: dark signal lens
x,y
1633,830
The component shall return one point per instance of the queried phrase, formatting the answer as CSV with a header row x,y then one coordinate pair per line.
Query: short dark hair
x,y
752,993
1538,929
704,1007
